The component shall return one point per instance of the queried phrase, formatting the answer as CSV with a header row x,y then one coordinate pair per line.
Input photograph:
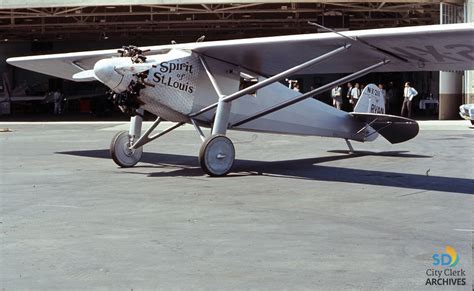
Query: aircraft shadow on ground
x,y
182,165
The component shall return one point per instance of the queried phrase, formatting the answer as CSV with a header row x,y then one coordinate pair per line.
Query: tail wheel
x,y
217,155
121,153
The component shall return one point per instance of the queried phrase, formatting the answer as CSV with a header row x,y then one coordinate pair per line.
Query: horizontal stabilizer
x,y
395,129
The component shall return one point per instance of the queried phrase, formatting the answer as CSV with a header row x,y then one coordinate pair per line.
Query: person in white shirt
x,y
408,94
296,87
355,93
349,90
292,84
336,94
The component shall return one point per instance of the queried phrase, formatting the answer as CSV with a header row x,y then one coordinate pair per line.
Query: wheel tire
x,y
472,122
217,155
121,154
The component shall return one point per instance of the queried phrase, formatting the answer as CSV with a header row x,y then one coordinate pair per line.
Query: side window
x,y
246,81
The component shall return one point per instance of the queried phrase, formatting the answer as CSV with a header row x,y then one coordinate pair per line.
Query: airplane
x,y
17,94
234,84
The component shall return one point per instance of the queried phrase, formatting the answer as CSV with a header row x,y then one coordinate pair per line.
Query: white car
x,y
467,112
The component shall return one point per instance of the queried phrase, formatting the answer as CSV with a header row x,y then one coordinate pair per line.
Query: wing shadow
x,y
308,169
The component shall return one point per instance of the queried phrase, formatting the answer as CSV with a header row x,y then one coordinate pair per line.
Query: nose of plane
x,y
105,72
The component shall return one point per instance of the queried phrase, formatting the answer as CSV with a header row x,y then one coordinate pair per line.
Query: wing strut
x,y
311,93
266,82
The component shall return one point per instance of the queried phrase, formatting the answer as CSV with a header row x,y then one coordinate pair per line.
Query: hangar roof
x,y
55,20
15,4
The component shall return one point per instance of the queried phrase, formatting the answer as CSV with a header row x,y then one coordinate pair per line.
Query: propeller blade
x,y
133,69
85,76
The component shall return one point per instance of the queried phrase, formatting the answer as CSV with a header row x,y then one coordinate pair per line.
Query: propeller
x,y
137,55
125,78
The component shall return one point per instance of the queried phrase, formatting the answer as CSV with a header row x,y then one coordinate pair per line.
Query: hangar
x,y
51,26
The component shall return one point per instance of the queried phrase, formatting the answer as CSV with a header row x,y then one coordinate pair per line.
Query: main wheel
x,y
120,152
217,155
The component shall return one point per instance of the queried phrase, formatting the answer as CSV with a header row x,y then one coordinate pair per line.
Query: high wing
x,y
421,48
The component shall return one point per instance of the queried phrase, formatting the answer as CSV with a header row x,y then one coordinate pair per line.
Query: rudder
x,y
371,100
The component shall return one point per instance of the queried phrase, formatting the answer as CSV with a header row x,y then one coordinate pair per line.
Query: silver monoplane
x,y
234,84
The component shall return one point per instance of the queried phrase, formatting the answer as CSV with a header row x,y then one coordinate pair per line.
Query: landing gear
x,y
121,152
217,155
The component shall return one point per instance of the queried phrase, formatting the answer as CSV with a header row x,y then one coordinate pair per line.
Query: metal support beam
x,y
212,79
366,126
198,130
136,125
146,138
388,123
311,93
221,122
272,79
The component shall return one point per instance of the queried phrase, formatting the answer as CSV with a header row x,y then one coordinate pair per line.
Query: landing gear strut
x,y
217,153
121,150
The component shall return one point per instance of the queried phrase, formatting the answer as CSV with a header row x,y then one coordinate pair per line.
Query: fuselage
x,y
178,85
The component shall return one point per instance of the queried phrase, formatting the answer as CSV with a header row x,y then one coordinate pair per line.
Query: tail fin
x,y
371,100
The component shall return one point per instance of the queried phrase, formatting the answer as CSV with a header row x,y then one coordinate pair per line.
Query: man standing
x,y
408,94
349,92
57,98
296,87
336,94
355,93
